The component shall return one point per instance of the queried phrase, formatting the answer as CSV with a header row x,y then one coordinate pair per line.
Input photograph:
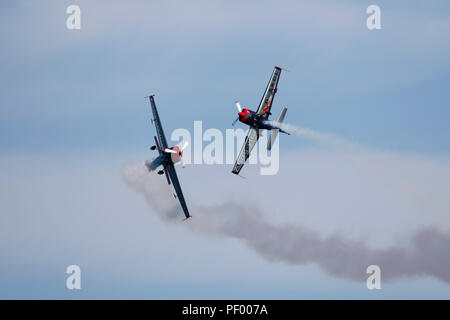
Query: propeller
x,y
185,144
182,147
238,106
167,150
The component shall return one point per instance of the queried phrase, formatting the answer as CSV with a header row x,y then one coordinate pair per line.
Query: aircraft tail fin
x,y
274,132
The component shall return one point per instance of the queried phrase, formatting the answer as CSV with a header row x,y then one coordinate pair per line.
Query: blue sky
x,y
84,89
72,100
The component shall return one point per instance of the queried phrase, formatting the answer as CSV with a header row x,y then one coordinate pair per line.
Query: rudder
x,y
274,132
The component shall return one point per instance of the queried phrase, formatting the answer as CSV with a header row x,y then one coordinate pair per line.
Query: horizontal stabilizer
x,y
274,132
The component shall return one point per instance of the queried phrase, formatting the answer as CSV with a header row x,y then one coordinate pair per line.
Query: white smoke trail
x,y
315,136
426,254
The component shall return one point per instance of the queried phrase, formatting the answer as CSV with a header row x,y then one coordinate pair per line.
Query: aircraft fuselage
x,y
165,158
259,121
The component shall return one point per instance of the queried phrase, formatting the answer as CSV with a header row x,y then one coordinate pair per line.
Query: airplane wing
x,y
159,130
172,175
266,102
250,141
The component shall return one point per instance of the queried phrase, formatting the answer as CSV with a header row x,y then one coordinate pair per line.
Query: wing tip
x,y
237,174
281,68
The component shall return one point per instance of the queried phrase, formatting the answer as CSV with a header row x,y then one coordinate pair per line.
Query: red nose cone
x,y
244,113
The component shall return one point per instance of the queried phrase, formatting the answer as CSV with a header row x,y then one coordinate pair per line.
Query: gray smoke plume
x,y
427,253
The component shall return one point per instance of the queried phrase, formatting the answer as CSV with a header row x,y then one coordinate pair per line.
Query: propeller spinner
x,y
177,152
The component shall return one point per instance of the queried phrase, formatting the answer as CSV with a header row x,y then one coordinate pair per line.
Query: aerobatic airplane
x,y
259,121
167,157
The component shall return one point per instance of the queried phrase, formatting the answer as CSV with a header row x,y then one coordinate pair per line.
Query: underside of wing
x,y
266,102
172,175
250,141
157,121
